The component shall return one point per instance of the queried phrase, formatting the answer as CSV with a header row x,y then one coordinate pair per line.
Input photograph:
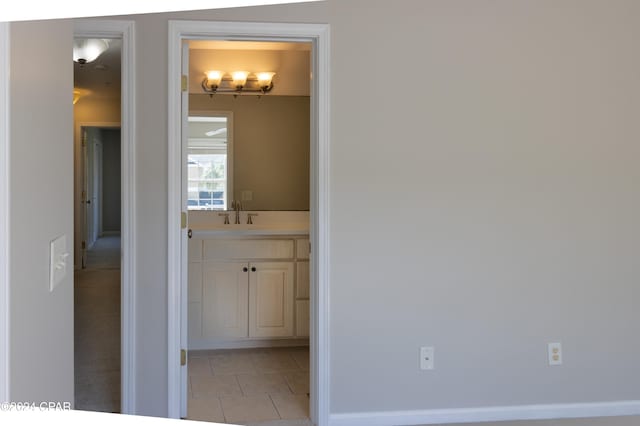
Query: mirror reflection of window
x,y
208,162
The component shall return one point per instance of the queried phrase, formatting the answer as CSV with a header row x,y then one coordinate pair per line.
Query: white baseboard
x,y
248,343
487,414
110,234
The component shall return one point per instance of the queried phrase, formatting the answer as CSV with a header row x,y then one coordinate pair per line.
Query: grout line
x,y
239,385
211,370
275,406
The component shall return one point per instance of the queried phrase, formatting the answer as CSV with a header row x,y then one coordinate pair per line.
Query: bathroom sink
x,y
264,223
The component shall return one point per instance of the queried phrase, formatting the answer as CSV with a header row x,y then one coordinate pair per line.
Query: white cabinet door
x,y
194,291
271,299
302,280
225,287
302,318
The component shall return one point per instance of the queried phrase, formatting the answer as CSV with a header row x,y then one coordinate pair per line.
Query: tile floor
x,y
250,386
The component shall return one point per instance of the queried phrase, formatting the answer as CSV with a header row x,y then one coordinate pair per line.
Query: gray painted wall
x,y
510,220
508,161
41,202
110,180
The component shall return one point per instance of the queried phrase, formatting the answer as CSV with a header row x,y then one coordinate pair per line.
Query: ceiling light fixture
x,y
87,50
237,82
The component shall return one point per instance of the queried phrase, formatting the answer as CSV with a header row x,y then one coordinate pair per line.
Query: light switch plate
x,y
58,261
247,195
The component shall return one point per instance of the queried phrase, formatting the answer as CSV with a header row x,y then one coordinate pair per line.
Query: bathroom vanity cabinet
x,y
248,291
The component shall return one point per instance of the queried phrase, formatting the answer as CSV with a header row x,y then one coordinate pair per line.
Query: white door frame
x,y
318,35
4,212
124,30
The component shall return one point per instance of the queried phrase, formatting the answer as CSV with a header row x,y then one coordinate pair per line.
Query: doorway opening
x,y
97,100
104,110
247,160
100,246
268,273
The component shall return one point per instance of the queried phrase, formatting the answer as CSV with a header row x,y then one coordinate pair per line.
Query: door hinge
x,y
183,357
84,245
183,220
309,247
185,83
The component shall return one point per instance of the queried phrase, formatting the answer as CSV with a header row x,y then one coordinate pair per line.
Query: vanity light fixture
x,y
87,50
237,82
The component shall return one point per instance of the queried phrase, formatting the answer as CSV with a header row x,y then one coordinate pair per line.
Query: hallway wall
x,y
110,181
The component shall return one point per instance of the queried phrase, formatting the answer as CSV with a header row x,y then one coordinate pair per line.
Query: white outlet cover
x,y
427,361
555,353
58,261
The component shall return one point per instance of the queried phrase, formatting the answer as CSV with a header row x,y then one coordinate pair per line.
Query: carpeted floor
x,y
97,334
104,254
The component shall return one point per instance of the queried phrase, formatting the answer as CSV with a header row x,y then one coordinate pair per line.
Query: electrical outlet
x,y
427,354
555,353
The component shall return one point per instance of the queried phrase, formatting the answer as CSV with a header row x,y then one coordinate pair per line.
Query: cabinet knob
x,y
245,269
190,233
253,269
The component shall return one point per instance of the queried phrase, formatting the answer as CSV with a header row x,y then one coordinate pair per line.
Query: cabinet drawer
x,y
247,249
302,280
302,248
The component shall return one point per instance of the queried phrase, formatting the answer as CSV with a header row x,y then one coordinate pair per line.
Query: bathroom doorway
x,y
181,31
247,162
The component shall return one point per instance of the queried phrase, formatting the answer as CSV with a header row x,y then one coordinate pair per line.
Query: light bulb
x,y
264,79
239,78
214,78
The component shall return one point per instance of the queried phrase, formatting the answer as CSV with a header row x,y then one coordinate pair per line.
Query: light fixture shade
x,y
89,49
264,78
239,78
214,78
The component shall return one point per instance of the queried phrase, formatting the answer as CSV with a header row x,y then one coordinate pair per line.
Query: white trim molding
x,y
488,414
318,35
124,30
4,212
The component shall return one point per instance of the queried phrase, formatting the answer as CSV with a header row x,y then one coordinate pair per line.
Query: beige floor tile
x,y
214,386
271,362
197,354
231,363
257,384
301,357
298,381
248,409
199,367
296,422
291,406
205,410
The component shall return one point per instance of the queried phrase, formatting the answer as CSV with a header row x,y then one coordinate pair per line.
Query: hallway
x,y
97,329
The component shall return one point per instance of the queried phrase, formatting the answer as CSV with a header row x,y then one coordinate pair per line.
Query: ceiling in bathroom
x,y
290,61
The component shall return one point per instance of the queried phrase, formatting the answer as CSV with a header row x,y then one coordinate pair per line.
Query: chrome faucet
x,y
237,206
